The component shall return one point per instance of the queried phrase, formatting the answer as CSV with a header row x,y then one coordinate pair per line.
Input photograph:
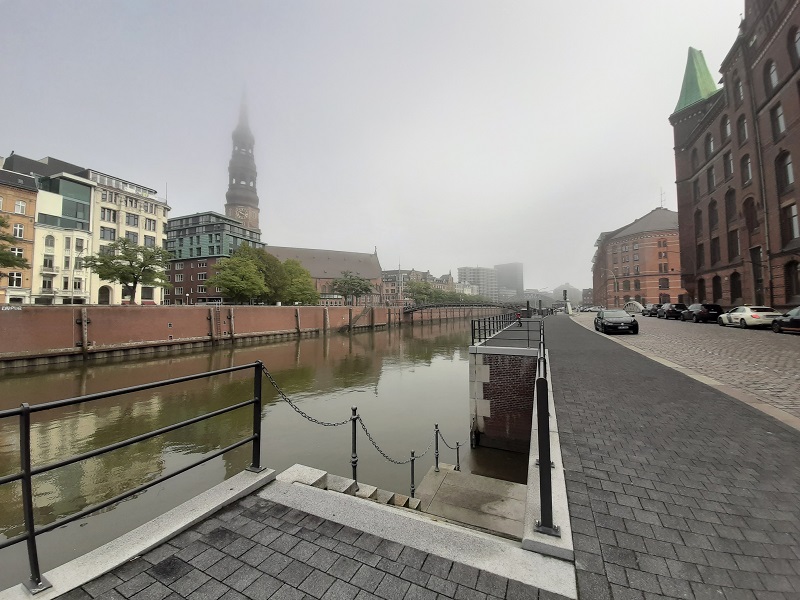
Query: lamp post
x,y
187,299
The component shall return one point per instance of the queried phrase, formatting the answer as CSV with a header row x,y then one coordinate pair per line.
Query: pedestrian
x,y
519,319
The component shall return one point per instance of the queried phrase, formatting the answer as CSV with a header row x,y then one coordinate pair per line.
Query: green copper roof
x,y
697,81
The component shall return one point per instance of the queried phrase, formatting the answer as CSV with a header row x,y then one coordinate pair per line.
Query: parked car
x,y
671,310
789,321
749,316
615,320
651,310
702,313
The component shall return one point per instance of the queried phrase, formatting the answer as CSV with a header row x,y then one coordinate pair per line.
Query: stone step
x,y
384,497
305,475
343,485
368,492
400,500
414,503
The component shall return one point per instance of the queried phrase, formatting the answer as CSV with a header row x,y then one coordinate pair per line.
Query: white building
x,y
484,277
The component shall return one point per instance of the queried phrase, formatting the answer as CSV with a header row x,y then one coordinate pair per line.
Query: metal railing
x,y
483,329
542,403
37,582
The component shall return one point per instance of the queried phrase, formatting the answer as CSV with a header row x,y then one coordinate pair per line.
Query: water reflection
x,y
403,381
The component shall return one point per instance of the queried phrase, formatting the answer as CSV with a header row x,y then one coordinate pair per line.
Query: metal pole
x,y
257,376
458,456
413,489
436,445
545,525
354,454
36,583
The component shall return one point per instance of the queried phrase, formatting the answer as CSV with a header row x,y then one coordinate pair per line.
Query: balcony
x,y
47,292
49,270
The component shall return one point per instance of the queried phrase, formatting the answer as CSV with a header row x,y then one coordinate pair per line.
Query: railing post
x,y
458,456
436,446
413,489
37,583
545,525
255,465
354,453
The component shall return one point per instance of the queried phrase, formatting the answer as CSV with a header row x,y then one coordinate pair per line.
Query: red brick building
x,y
640,261
737,198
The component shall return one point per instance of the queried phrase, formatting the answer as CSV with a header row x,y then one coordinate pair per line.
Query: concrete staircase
x,y
326,481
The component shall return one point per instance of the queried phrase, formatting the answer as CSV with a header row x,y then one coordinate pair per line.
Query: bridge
x,y
418,307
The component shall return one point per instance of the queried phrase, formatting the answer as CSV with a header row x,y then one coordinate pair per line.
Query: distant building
x,y
395,283
466,288
639,261
327,265
18,206
734,150
241,201
587,297
535,296
484,277
509,276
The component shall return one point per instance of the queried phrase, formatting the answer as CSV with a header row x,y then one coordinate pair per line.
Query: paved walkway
x,y
674,488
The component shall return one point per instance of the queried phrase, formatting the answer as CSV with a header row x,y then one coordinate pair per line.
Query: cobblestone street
x,y
757,361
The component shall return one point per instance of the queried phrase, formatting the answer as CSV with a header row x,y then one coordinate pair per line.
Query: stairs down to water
x,y
326,481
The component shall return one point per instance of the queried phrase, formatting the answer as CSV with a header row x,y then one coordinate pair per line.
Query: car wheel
x,y
776,327
635,331
695,319
603,329
682,317
742,323
720,322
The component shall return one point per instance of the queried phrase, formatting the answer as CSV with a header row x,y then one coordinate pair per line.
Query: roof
x,y
330,264
658,219
697,81
17,180
46,166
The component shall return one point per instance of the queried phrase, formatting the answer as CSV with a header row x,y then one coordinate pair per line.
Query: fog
x,y
446,134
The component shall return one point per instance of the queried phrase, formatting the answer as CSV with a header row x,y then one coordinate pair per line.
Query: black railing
x,y
37,583
483,329
542,402
416,307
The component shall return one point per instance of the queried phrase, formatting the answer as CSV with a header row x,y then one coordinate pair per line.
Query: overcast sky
x,y
445,132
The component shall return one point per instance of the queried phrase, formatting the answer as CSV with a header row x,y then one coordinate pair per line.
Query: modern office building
x,y
509,276
484,277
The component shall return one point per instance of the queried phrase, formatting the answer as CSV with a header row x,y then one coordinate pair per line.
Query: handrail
x,y
37,582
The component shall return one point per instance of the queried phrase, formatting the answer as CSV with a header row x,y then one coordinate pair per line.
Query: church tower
x,y
241,201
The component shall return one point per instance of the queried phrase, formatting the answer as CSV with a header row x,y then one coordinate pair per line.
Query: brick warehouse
x,y
737,199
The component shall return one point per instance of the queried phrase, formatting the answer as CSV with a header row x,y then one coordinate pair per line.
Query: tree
x,y
239,278
271,269
7,259
351,285
130,265
300,286
420,292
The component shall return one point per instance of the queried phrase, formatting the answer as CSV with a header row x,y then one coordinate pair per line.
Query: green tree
x,y
299,284
131,265
7,259
421,292
239,278
271,269
351,286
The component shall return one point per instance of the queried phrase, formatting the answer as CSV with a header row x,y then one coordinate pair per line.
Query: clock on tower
x,y
242,213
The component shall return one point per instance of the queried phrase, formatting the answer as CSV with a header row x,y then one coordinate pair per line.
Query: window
x,y
50,241
784,172
178,291
636,246
738,92
789,224
696,190
178,266
725,128
626,285
108,215
66,262
713,215
18,230
709,145
794,45
201,289
78,244
150,224
635,269
695,160
701,256
201,263
15,279
698,223
108,234
148,293
701,290
663,283
778,122
750,216
711,179
47,283
727,165
736,288
178,277
635,257
741,129
67,243
77,284
770,77
149,241
715,251
131,220
132,236
791,276
17,252
19,207
733,244
202,276
716,289
747,174
637,285
65,283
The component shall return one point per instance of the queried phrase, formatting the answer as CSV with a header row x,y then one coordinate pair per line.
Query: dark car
x,y
671,310
615,320
789,321
651,310
702,313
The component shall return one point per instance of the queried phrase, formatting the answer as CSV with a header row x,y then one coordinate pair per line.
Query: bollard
x,y
413,489
36,583
458,456
354,454
545,524
255,464
436,445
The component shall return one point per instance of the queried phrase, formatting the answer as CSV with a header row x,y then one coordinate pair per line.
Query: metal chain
x,y
445,441
386,456
296,408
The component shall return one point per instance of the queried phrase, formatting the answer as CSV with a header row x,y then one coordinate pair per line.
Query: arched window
x,y
736,288
738,91
626,298
637,285
626,286
747,172
730,206
716,289
750,216
713,215
50,241
791,277
701,290
663,298
770,77
695,160
794,45
784,173
638,298
698,223
741,129
709,145
725,128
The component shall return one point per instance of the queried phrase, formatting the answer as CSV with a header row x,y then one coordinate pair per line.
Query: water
x,y
402,381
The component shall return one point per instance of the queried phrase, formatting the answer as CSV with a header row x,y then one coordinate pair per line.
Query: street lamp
x,y
187,299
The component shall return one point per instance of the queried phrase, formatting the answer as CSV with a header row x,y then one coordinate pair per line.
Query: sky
x,y
444,133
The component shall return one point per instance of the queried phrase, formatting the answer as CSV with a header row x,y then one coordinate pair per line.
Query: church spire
x,y
697,81
242,197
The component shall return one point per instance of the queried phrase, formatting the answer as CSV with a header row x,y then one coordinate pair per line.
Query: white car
x,y
749,316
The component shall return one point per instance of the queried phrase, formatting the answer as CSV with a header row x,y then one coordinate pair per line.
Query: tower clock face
x,y
242,212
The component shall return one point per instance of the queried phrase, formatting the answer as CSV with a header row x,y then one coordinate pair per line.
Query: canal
x,y
403,381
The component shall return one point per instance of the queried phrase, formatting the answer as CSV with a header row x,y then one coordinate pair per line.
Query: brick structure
x,y
737,199
18,207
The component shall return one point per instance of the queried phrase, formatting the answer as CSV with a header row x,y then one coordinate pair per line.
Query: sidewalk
x,y
674,488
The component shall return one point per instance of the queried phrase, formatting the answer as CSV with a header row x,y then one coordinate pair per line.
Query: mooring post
x,y
36,583
545,525
436,445
413,489
458,456
354,454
